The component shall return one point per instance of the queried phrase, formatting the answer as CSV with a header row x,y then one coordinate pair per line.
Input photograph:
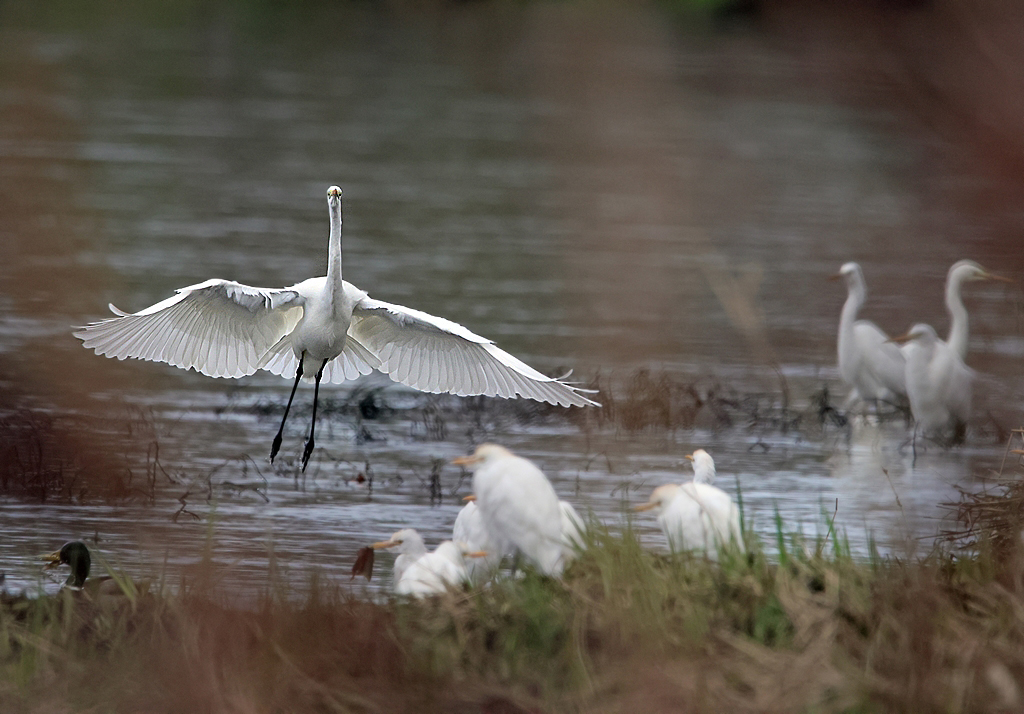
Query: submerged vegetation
x,y
799,626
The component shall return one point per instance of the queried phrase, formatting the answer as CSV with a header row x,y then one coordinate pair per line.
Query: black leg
x,y
276,446
312,425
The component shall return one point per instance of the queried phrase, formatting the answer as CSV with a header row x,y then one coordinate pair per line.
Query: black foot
x,y
275,447
306,452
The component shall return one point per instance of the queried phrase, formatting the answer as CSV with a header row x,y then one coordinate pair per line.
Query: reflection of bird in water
x,y
959,273
518,506
872,366
696,515
321,328
938,385
75,554
409,545
470,530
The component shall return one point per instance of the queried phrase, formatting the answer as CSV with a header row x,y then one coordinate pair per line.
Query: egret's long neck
x,y
854,301
704,473
334,251
958,326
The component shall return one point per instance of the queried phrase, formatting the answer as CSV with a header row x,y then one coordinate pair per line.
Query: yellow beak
x,y
386,544
645,506
907,337
466,460
52,560
689,457
477,554
470,497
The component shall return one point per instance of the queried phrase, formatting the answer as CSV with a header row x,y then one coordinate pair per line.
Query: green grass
x,y
800,627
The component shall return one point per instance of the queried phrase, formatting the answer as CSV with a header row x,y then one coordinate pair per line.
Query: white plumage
x,y
518,506
409,545
572,531
334,330
696,515
872,366
469,529
435,572
939,384
959,273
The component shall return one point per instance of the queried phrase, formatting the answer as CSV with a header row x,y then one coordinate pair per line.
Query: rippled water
x,y
602,192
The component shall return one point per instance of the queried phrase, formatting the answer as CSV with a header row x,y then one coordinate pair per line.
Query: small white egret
x,y
696,515
321,328
959,273
518,505
470,530
939,385
436,572
872,366
409,545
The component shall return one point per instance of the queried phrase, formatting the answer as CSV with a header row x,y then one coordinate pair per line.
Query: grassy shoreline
x,y
797,626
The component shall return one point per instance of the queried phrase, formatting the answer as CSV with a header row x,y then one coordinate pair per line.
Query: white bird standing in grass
x,y
872,366
518,506
696,515
959,273
470,530
437,571
408,544
320,328
939,385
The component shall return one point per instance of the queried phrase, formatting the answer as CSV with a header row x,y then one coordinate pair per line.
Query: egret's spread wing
x,y
219,328
884,361
433,354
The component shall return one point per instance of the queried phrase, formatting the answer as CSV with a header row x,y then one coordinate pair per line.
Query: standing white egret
x,y
872,366
696,515
961,272
518,505
409,545
324,327
939,385
470,530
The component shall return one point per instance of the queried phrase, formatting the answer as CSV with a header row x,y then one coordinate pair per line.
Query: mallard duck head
x,y
76,555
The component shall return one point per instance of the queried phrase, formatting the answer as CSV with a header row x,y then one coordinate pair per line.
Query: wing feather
x,y
218,328
437,355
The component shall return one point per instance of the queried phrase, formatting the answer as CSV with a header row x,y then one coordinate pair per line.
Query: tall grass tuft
x,y
799,626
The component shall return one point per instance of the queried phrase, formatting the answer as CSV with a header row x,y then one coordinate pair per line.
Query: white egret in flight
x,y
939,385
321,328
696,515
869,363
961,272
518,505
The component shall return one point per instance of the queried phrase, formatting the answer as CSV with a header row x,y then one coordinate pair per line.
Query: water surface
x,y
602,192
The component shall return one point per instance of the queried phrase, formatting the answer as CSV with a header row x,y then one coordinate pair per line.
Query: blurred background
x,y
650,194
